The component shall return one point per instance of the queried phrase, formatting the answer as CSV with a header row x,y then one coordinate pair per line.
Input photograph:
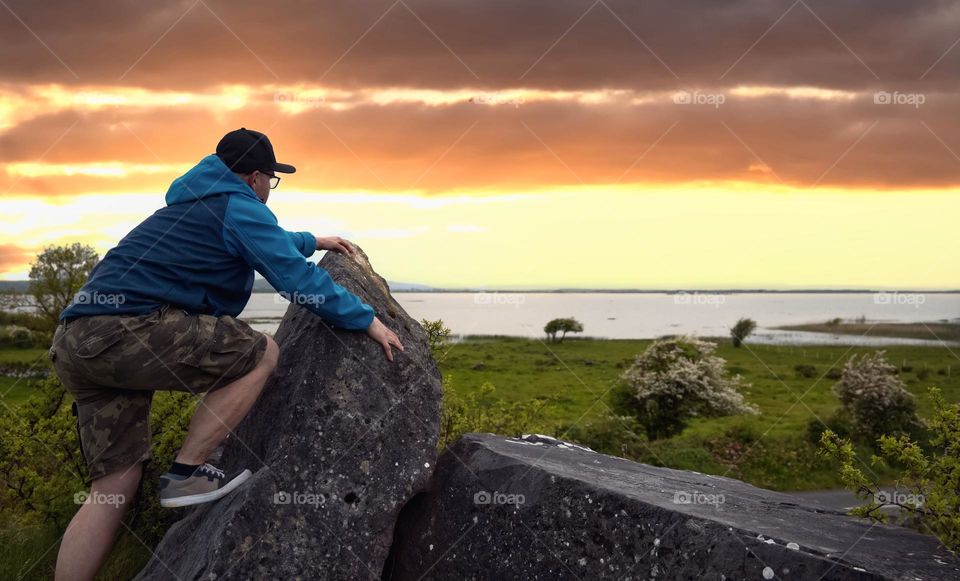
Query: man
x,y
158,313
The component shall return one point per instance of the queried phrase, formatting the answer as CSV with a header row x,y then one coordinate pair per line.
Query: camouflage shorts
x,y
112,364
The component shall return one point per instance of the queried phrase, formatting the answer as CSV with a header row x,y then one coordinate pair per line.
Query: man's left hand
x,y
335,243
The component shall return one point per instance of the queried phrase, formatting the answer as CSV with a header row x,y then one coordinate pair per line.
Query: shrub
x,y
40,460
742,330
675,380
732,447
42,468
930,480
610,434
875,398
16,336
482,411
805,370
438,335
839,424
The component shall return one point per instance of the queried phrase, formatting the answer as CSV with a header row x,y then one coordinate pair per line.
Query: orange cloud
x,y
439,141
14,258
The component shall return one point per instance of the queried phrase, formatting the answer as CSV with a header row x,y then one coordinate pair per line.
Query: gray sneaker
x,y
206,484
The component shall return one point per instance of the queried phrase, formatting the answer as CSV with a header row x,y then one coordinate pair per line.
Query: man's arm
x,y
251,231
305,242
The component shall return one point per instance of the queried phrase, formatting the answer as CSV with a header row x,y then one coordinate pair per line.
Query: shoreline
x,y
808,334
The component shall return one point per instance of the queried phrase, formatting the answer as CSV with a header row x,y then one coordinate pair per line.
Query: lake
x,y
650,315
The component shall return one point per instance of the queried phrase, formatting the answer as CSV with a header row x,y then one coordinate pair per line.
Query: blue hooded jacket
x,y
199,253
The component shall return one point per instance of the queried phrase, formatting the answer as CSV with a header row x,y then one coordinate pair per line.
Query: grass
x,y
929,331
13,390
28,356
768,450
29,552
579,371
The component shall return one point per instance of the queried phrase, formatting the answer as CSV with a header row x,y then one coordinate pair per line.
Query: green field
x,y
578,374
579,371
769,450
13,390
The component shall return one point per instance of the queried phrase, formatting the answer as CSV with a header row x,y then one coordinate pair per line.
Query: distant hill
x,y
259,286
262,286
18,286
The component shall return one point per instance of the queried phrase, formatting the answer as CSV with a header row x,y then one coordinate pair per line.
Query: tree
x,y
57,275
929,485
742,330
874,398
562,326
438,335
675,380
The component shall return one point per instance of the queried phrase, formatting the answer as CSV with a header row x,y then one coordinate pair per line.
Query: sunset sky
x,y
515,143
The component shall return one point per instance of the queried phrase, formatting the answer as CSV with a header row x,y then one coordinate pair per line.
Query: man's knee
x,y
271,356
120,485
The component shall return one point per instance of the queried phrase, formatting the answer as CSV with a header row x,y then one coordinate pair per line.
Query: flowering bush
x,y
874,398
675,380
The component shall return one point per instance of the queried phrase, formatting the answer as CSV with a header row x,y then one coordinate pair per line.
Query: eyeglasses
x,y
274,179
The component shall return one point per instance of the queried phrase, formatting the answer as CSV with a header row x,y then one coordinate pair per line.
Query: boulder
x,y
339,440
537,508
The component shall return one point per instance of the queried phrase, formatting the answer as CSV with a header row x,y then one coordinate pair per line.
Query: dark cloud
x,y
850,45
804,142
491,44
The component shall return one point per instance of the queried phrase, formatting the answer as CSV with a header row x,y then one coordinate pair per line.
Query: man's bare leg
x,y
223,409
90,534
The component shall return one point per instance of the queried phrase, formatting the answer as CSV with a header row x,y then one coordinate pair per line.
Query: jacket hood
x,y
210,177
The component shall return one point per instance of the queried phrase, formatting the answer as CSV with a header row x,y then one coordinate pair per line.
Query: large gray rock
x,y
536,508
338,442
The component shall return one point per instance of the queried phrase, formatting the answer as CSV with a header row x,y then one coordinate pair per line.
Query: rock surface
x,y
339,440
537,508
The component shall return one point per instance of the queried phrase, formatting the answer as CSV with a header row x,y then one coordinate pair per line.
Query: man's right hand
x,y
381,334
